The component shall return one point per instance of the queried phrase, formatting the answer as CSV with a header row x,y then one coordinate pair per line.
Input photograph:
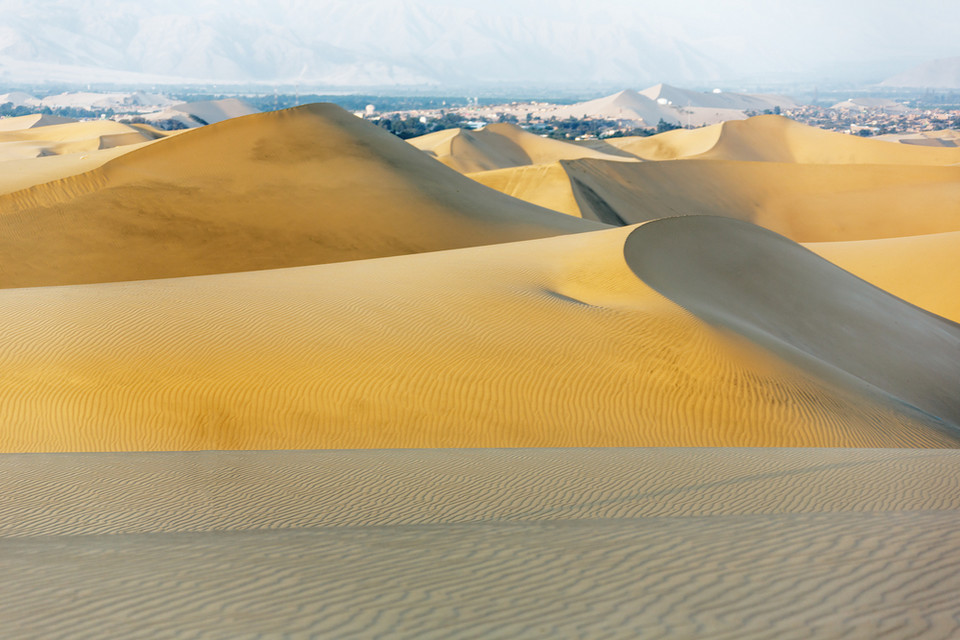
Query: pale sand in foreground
x,y
625,543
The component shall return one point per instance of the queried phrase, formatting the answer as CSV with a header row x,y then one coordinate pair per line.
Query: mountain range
x,y
457,43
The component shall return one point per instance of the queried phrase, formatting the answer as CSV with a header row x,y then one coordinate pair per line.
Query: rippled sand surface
x,y
725,543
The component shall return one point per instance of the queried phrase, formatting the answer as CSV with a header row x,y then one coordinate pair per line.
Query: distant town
x,y
626,113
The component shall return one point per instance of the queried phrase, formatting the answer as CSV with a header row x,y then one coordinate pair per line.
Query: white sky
x,y
751,36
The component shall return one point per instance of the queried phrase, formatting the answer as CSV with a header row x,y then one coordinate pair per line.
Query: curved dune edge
x,y
785,298
771,138
923,270
500,146
805,202
553,342
303,186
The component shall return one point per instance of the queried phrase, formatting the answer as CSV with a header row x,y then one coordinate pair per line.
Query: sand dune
x,y
545,185
923,270
19,123
779,139
780,295
498,146
772,138
28,172
60,139
807,203
553,342
725,543
303,186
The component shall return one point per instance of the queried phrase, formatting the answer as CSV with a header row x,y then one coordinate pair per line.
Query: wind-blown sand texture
x,y
300,187
619,543
554,342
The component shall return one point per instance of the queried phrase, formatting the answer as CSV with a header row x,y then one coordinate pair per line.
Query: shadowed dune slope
x,y
923,270
303,186
498,146
807,203
784,297
552,342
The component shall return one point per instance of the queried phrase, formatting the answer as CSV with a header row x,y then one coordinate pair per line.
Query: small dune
x,y
500,145
923,270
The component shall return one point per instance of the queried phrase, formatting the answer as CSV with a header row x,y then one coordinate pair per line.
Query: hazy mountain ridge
x,y
363,43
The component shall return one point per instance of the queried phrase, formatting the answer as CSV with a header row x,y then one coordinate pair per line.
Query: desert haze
x,y
287,375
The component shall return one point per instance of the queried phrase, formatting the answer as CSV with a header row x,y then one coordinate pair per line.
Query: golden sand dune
x,y
30,121
554,342
719,543
498,146
67,138
772,138
923,270
781,296
28,172
807,203
303,186
545,185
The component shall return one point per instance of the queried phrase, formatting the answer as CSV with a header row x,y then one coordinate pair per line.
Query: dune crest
x,y
501,145
553,342
304,186
784,297
923,270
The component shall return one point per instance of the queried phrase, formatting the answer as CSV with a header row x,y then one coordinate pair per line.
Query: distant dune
x,y
70,137
771,138
554,342
304,186
943,73
31,121
807,184
498,146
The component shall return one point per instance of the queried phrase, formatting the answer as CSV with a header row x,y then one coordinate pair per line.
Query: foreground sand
x,y
623,543
554,342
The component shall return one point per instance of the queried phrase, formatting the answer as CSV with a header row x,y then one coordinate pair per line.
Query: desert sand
x,y
804,183
722,543
305,186
501,145
287,375
554,342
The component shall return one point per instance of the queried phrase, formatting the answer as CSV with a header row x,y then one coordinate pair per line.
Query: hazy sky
x,y
746,38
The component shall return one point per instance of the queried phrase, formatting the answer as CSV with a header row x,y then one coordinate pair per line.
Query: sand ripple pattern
x,y
553,342
599,543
